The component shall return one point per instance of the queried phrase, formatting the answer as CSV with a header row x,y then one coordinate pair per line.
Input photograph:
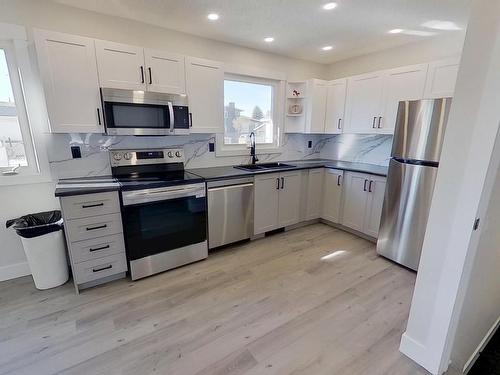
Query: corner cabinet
x,y
363,200
277,200
205,90
68,70
332,195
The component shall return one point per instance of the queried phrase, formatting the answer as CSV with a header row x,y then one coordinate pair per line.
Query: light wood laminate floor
x,y
314,300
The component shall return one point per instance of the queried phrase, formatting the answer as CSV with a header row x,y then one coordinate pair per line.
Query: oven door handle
x,y
154,195
172,116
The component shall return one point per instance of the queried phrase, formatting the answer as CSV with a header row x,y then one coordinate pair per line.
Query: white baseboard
x,y
482,345
13,271
416,352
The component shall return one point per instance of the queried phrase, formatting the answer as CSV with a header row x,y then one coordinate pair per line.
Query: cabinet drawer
x,y
98,268
92,227
87,205
96,248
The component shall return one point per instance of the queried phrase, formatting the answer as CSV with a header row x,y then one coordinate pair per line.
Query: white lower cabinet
x,y
363,199
332,195
277,200
314,193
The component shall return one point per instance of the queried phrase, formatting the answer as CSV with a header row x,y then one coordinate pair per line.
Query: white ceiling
x,y
300,27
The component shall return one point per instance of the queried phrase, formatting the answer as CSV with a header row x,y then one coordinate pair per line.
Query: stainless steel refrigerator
x,y
416,148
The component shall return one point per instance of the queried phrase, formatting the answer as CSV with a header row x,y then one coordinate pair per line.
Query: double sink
x,y
263,166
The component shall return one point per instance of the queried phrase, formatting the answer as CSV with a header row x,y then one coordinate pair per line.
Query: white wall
x,y
466,154
481,307
415,53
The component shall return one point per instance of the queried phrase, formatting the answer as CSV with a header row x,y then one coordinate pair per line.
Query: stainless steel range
x,y
164,210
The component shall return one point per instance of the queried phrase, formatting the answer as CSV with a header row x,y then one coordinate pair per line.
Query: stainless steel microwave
x,y
129,112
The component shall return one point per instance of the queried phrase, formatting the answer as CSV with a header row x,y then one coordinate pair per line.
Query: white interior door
x,y
68,71
205,90
335,106
405,83
355,200
376,191
266,202
120,66
314,193
165,72
317,112
332,195
363,103
289,198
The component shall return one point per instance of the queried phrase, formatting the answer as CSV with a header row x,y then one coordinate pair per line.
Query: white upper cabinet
x,y
68,70
441,78
335,106
165,72
406,83
316,112
363,108
120,66
205,90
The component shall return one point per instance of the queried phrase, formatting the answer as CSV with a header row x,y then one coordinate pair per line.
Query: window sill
x,y
24,179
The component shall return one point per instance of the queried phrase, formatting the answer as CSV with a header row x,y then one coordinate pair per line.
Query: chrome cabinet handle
x,y
150,76
338,180
374,121
99,248
142,74
379,122
364,185
370,186
102,269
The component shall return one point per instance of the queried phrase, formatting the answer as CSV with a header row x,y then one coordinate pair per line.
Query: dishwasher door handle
x,y
230,187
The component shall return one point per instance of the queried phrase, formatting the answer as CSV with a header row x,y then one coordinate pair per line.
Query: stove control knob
x,y
178,154
117,156
127,155
170,154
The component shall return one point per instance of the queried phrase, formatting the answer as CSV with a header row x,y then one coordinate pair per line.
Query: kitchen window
x,y
251,104
17,152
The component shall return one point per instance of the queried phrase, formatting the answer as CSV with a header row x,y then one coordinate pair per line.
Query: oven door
x,y
164,228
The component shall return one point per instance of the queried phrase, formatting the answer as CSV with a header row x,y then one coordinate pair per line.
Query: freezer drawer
x,y
405,211
230,212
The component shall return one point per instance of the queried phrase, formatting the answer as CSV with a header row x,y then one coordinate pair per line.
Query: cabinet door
x,y
314,193
355,200
68,71
120,66
165,72
332,194
335,106
363,103
405,83
441,78
376,191
266,202
317,108
205,90
289,198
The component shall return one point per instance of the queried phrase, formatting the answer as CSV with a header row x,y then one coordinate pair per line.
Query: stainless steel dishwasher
x,y
230,211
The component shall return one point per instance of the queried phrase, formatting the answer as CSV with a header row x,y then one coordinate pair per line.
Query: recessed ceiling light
x,y
329,6
441,25
269,39
326,48
213,16
395,31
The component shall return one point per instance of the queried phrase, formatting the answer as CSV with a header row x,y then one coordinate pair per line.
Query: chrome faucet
x,y
252,148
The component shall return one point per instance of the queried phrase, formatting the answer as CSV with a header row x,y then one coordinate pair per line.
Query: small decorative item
x,y
295,93
295,109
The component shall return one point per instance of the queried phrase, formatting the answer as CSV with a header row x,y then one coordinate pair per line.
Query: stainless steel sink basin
x,y
263,166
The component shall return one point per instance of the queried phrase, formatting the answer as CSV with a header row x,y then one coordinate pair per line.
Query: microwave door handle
x,y
172,118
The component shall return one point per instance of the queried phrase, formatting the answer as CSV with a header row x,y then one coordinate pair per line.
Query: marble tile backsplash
x,y
374,149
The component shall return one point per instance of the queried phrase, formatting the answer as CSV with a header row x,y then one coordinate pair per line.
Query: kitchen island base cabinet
x,y
277,201
332,195
363,199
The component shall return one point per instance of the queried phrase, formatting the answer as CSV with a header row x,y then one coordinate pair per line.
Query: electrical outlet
x,y
76,153
309,144
211,146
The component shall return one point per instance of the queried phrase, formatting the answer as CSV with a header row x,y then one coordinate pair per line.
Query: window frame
x,y
277,81
30,107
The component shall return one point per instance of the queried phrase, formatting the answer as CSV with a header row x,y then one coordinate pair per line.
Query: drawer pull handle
x,y
99,227
92,205
102,269
99,248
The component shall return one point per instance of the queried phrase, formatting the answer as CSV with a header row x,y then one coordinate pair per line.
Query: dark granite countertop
x,y
220,173
86,185
90,185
